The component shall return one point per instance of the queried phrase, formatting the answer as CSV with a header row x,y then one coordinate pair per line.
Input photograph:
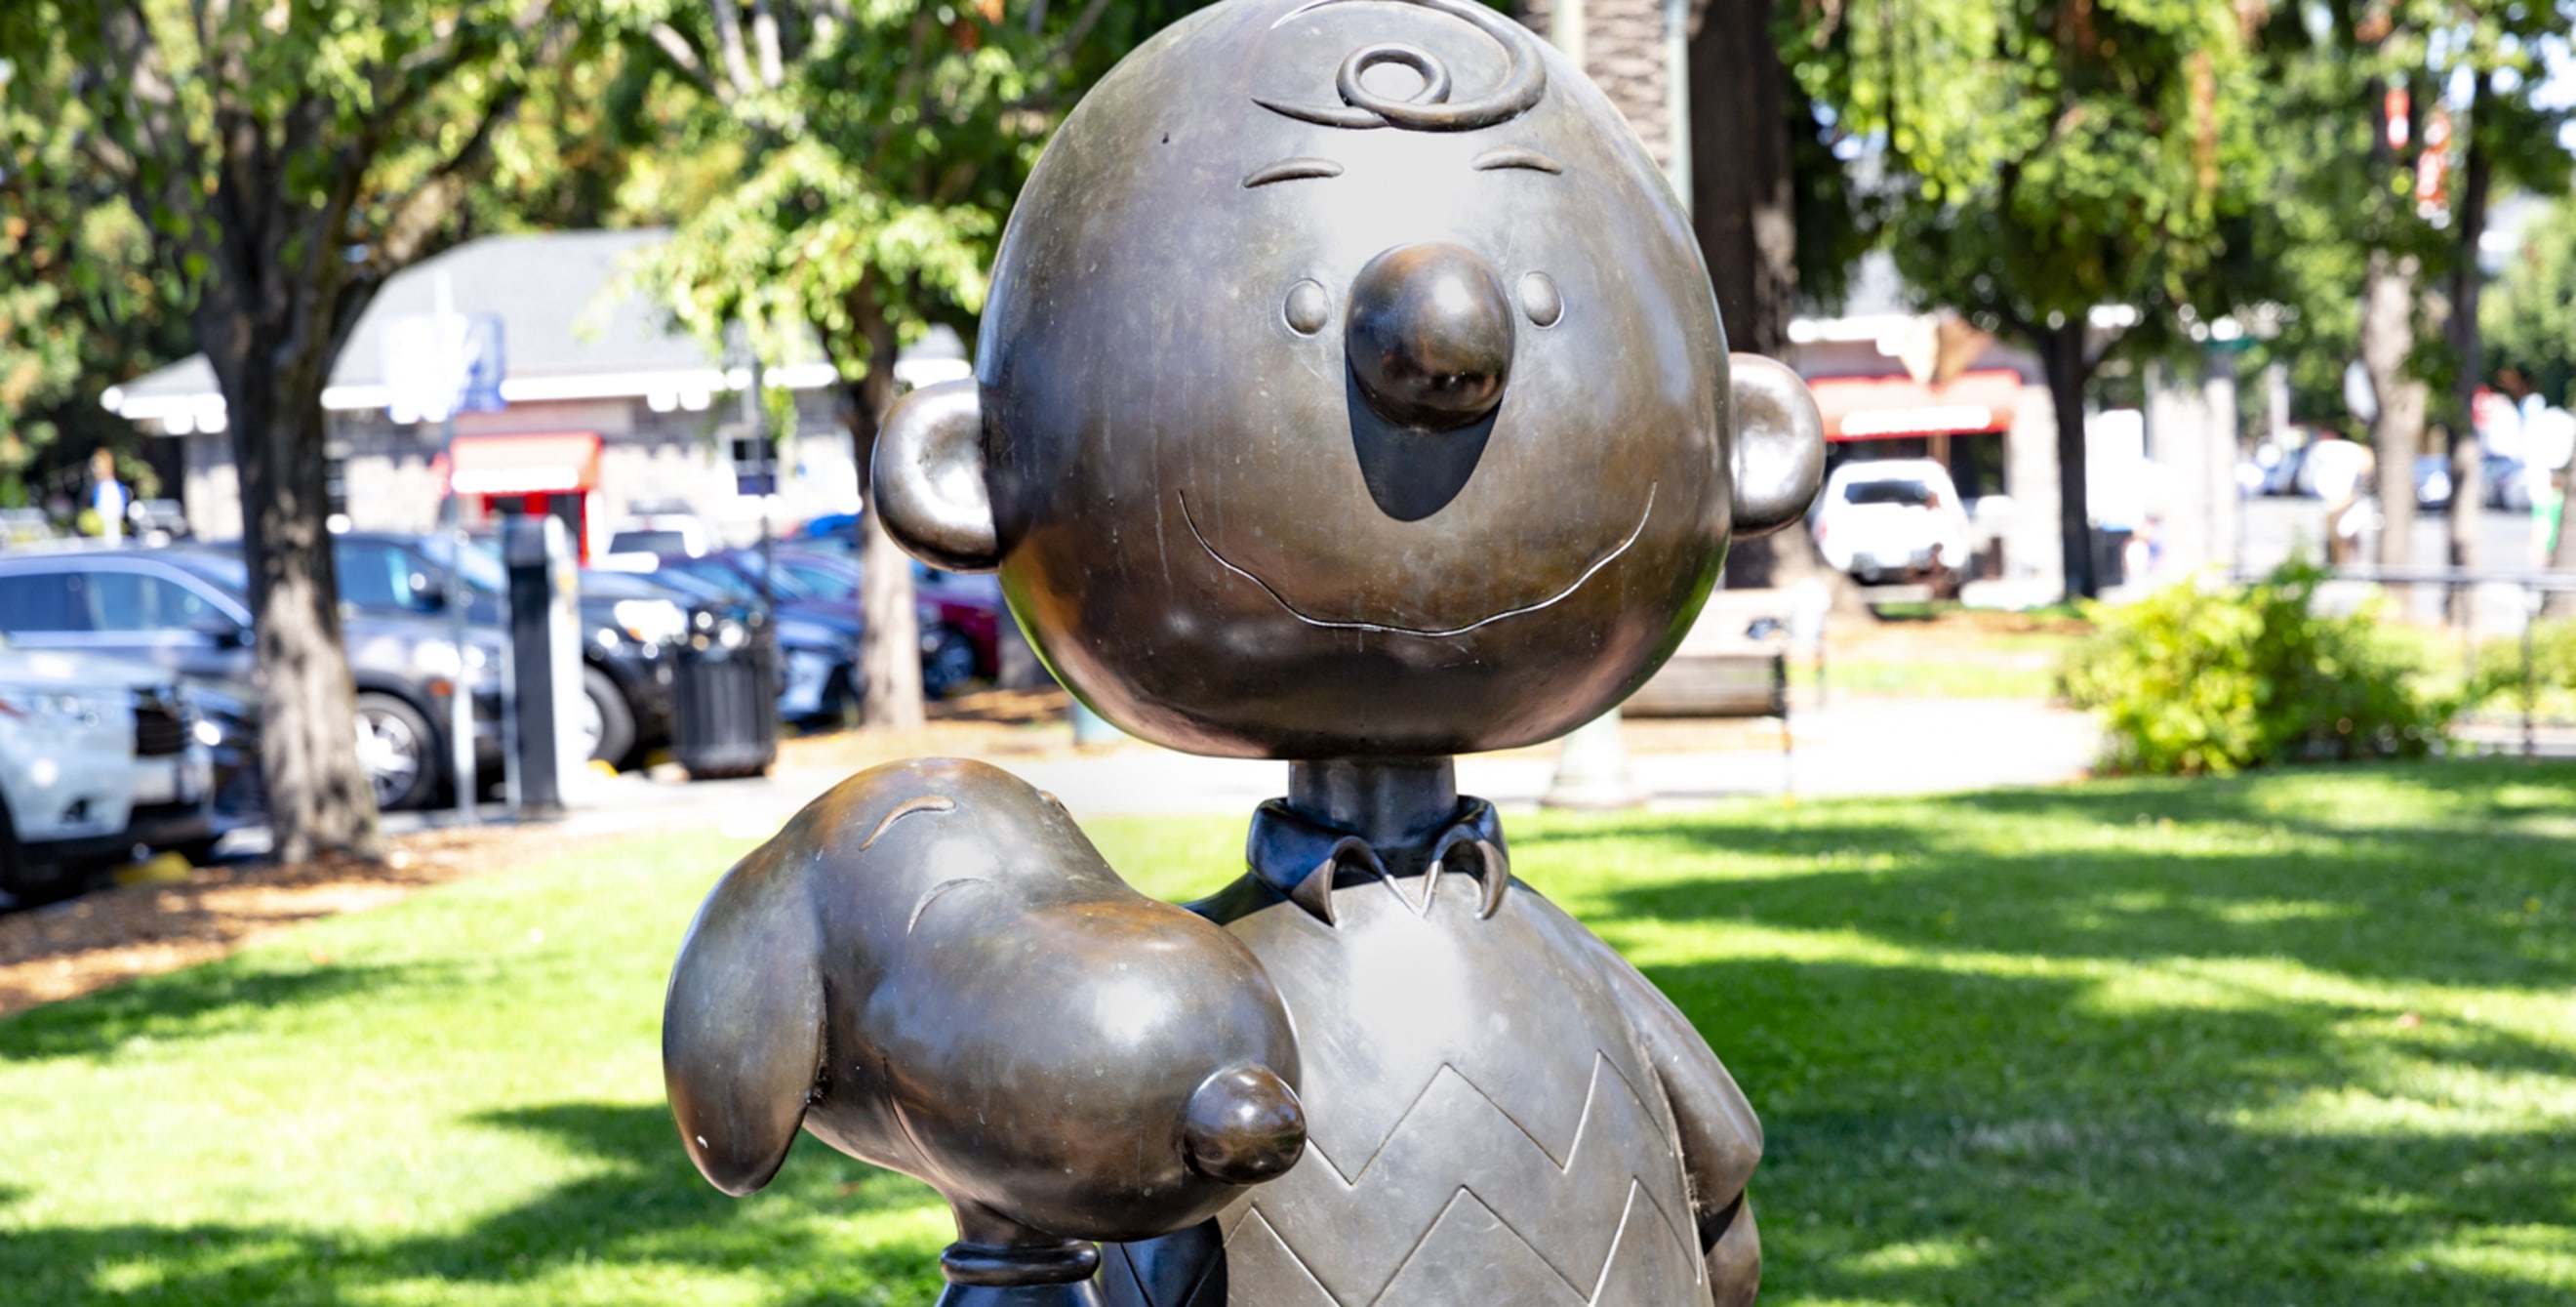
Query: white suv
x,y
97,757
1897,518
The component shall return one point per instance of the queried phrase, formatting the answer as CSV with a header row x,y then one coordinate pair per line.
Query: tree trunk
x,y
2061,352
1744,208
890,629
2468,478
2388,291
1743,201
319,800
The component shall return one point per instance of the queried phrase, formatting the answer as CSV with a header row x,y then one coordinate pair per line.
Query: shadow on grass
x,y
2474,895
2036,1046
1938,1137
645,1210
194,1003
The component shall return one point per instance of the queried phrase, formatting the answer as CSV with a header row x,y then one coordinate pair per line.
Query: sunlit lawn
x,y
2302,1039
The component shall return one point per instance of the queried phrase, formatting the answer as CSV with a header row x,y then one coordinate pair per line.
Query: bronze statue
x,y
1350,392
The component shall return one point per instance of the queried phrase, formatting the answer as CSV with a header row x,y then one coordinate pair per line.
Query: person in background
x,y
106,496
2342,471
2548,439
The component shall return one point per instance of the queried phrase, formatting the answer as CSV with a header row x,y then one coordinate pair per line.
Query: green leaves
x,y
873,172
2529,315
2061,157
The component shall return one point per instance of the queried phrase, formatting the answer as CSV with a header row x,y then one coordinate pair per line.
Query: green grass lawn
x,y
2305,1038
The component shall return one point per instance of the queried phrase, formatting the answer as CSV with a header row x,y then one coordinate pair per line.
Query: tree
x,y
2048,159
1771,207
880,148
285,159
2389,126
79,309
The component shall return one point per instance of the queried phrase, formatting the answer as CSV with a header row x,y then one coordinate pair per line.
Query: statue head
x,y
1350,385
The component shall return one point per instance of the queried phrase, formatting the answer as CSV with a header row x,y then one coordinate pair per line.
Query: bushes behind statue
x,y
2195,680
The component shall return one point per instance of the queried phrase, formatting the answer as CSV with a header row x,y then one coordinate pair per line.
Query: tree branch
x,y
764,39
1072,38
677,49
729,43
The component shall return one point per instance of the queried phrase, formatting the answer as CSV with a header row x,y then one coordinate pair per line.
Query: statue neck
x,y
1393,803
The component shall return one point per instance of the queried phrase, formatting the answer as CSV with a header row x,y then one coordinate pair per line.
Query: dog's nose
x,y
1244,1126
1430,335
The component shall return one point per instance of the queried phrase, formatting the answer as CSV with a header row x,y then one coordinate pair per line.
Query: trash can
x,y
2111,556
724,695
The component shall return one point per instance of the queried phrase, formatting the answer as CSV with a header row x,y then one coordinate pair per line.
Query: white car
x,y
1894,518
639,544
97,757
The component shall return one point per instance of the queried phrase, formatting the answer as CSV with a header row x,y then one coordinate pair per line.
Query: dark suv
x,y
627,628
186,609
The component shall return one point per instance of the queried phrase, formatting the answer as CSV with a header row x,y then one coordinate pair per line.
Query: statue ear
x,y
742,1025
928,478
1779,445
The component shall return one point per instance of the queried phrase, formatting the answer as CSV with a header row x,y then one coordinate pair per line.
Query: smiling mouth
x,y
1331,624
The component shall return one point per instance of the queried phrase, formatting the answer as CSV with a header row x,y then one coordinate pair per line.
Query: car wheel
x,y
607,724
25,879
397,750
947,661
14,870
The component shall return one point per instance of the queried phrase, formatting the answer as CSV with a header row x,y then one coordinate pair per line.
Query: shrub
x,y
2215,680
2497,686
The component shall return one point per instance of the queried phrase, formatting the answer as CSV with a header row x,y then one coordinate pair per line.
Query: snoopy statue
x,y
1350,392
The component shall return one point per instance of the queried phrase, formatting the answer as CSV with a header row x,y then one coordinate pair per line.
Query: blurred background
x,y
433,446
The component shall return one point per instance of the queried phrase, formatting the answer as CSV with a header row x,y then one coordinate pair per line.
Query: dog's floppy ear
x,y
742,1025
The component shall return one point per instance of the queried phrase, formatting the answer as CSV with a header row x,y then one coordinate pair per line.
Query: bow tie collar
x,y
1306,859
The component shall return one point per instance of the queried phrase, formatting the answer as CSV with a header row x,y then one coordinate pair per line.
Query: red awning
x,y
549,463
1882,408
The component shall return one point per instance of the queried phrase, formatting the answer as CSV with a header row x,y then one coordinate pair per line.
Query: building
x,y
1893,382
607,411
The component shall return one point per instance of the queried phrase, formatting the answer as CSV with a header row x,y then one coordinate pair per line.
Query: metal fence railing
x,y
2532,585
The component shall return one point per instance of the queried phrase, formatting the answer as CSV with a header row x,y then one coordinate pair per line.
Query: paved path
x,y
1850,747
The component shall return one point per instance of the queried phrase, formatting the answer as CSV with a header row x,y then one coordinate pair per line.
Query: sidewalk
x,y
1853,746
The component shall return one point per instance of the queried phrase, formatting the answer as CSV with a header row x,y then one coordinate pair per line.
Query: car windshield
x,y
709,579
1912,494
784,581
483,569
225,571
648,542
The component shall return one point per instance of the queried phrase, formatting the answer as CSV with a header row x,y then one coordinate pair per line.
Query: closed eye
x,y
931,895
1515,156
1289,170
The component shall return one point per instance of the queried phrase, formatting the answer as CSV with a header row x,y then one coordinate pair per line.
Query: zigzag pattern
x,y
1459,1177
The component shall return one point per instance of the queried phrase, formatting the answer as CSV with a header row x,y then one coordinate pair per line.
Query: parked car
x,y
2432,480
636,543
818,653
99,757
961,616
628,627
1892,518
186,610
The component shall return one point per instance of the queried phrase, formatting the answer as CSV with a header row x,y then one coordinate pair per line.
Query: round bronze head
x,y
1350,384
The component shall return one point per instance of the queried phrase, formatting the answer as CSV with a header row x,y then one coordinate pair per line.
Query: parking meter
x,y
542,727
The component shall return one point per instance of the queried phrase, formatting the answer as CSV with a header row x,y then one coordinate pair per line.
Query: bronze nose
x,y
1244,1126
1430,335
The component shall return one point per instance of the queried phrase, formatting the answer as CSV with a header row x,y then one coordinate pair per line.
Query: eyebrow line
x,y
1287,170
1515,156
